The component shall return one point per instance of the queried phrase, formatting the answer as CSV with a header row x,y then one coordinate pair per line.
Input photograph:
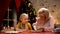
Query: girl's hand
x,y
26,27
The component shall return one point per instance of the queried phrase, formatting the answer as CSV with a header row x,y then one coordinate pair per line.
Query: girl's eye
x,y
26,19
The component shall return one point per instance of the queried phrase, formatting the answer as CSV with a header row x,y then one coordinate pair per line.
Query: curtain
x,y
4,4
3,8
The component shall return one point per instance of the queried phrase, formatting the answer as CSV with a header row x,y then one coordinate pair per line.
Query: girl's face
x,y
24,19
42,15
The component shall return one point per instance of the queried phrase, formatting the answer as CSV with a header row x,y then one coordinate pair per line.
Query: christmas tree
x,y
27,7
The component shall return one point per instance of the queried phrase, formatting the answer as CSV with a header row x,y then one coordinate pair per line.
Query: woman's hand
x,y
48,29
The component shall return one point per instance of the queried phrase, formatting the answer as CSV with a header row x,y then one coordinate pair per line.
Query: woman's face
x,y
42,15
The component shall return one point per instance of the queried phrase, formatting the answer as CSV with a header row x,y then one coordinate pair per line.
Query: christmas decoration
x,y
27,7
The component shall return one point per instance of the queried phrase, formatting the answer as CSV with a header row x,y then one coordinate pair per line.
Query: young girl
x,y
45,22
23,23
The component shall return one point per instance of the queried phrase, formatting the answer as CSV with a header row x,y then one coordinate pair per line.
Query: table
x,y
2,33
38,33
10,32
26,32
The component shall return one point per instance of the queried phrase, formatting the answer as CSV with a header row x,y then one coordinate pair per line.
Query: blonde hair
x,y
44,10
23,14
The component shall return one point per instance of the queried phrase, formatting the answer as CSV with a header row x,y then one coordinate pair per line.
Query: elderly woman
x,y
44,20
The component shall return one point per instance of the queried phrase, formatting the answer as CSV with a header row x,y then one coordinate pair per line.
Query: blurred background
x,y
10,10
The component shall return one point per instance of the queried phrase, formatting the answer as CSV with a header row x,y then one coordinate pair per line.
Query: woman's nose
x,y
41,15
